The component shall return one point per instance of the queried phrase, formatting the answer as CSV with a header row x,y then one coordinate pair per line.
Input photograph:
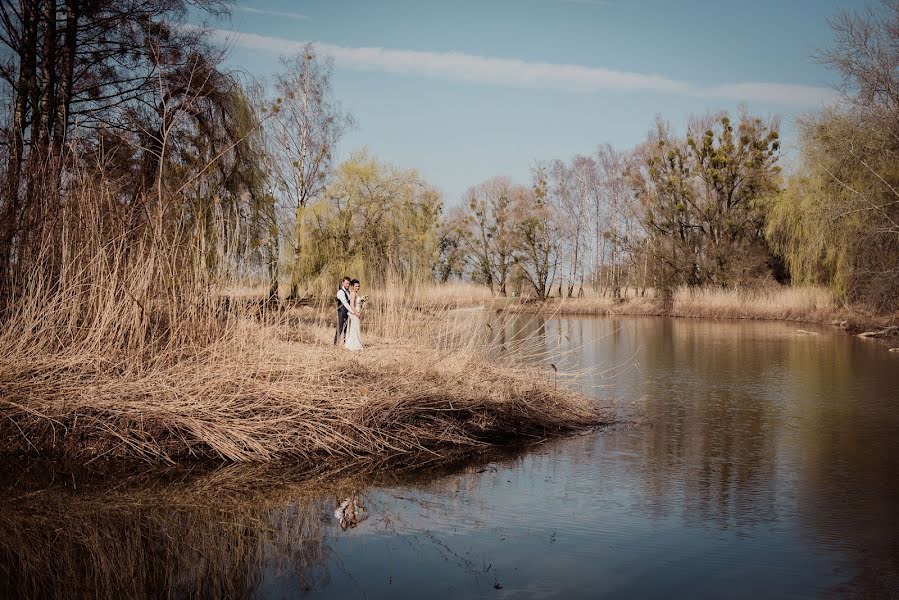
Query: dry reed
x,y
765,302
254,395
122,348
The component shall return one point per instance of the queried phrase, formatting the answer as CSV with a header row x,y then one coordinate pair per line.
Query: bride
x,y
354,330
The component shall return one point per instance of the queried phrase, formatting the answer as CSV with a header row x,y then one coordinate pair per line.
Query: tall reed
x,y
119,344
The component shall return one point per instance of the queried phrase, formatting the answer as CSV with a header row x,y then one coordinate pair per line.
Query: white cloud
x,y
543,75
272,13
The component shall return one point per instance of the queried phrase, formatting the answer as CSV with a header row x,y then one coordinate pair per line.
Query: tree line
x,y
125,104
711,206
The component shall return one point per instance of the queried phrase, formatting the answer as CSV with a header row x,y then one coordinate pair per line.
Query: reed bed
x,y
810,304
117,343
255,395
261,387
765,302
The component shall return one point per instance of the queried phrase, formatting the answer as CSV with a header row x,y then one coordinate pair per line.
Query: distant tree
x,y
699,199
489,235
536,233
376,219
451,258
307,124
575,186
616,220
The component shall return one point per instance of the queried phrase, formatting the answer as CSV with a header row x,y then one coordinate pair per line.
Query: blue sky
x,y
466,90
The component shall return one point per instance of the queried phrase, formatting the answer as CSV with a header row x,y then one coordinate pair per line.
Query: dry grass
x,y
254,395
261,387
804,304
809,304
120,347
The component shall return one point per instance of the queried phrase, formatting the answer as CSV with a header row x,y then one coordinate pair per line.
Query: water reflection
x,y
767,466
756,425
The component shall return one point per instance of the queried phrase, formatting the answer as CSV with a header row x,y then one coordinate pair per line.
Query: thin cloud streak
x,y
272,13
538,75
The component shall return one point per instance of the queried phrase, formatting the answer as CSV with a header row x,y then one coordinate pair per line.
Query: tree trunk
x,y
46,93
25,85
66,75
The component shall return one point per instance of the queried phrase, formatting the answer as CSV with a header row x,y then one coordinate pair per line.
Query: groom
x,y
343,309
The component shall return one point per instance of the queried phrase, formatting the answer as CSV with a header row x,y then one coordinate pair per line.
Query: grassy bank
x,y
261,386
805,304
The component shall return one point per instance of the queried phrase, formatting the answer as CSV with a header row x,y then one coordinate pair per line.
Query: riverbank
x,y
812,305
266,387
801,305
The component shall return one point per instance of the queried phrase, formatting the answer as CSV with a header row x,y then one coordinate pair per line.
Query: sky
x,y
466,90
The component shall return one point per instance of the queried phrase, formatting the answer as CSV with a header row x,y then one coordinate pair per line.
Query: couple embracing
x,y
349,311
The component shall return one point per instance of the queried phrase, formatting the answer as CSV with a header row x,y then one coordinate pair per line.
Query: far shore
x,y
813,305
800,305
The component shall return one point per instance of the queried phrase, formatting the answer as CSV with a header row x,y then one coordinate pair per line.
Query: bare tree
x,y
307,124
574,185
537,234
489,235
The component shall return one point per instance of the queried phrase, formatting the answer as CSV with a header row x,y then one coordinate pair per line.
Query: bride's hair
x,y
354,281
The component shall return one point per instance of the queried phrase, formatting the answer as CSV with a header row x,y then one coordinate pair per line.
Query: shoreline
x,y
851,320
283,394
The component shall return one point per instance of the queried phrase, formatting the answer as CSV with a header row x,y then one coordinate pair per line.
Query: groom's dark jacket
x,y
341,309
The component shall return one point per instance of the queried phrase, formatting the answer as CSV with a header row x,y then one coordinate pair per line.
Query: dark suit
x,y
342,317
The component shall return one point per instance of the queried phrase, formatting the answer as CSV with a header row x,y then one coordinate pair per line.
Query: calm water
x,y
767,466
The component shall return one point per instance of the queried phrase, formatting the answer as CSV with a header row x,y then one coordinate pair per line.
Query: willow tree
x,y
377,221
307,124
837,223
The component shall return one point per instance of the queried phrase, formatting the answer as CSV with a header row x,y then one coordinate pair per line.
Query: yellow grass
x,y
807,304
811,304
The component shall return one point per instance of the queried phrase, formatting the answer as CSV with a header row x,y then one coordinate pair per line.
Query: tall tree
x,y
700,200
307,124
94,63
537,233
489,234
837,223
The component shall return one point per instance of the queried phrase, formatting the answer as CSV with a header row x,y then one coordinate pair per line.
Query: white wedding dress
x,y
354,329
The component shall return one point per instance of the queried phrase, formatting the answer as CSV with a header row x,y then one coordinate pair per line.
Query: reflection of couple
x,y
349,512
349,313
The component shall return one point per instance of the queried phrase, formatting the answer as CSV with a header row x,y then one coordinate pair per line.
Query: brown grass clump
x,y
267,391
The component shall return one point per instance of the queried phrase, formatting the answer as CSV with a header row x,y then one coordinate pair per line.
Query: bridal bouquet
x,y
364,299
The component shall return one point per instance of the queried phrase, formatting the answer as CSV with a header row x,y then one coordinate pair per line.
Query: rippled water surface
x,y
767,466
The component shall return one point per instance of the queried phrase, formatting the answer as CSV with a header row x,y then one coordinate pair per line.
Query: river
x,y
753,459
